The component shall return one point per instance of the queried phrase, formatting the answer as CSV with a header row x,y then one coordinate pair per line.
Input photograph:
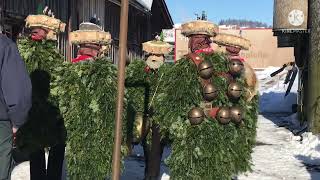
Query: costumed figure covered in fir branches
x,y
232,46
144,84
87,89
205,111
45,127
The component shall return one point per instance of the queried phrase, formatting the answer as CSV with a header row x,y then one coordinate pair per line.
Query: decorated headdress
x,y
199,27
46,21
156,49
90,32
232,40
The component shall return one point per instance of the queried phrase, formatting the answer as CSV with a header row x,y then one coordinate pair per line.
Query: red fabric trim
x,y
237,57
36,37
147,69
80,58
213,112
206,50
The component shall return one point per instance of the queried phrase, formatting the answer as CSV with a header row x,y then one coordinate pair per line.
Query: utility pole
x,y
314,67
121,78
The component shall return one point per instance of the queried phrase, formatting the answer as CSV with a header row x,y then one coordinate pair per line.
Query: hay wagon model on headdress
x,y
204,110
144,83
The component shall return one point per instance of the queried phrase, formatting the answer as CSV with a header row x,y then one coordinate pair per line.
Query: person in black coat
x,y
15,101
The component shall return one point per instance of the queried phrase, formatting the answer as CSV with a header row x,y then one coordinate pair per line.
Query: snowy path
x,y
275,156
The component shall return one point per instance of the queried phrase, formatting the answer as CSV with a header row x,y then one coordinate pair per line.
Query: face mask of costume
x,y
198,42
38,34
154,61
233,50
92,50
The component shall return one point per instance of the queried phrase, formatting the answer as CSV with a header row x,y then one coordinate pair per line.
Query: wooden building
x,y
143,22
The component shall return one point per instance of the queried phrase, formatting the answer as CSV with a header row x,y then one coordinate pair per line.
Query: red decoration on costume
x,y
206,51
147,69
238,58
37,37
213,112
80,58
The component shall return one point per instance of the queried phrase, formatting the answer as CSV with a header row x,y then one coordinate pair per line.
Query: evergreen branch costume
x,y
144,84
233,45
87,89
206,113
45,126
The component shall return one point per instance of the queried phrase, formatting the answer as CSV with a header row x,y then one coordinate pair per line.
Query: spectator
x,y
15,101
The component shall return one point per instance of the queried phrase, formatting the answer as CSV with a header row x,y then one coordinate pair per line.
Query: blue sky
x,y
257,10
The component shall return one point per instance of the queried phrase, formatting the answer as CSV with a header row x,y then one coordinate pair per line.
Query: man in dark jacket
x,y
15,100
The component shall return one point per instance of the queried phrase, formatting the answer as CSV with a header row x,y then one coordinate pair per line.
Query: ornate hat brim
x,y
157,47
199,27
44,21
232,40
94,37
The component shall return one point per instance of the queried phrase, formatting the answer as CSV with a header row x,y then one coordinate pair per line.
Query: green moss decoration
x,y
44,127
87,94
209,150
145,91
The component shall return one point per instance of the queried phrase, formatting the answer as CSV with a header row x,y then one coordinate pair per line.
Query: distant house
x,y
146,17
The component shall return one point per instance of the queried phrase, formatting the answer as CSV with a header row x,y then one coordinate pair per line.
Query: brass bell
x,y
196,116
236,115
205,69
137,127
234,90
223,115
236,67
209,92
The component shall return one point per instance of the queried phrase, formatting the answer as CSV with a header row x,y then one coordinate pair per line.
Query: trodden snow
x,y
283,150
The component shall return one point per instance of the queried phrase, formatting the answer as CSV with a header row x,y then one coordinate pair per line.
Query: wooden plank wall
x,y
82,10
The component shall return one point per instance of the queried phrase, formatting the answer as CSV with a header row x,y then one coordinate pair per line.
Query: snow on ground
x,y
278,155
272,92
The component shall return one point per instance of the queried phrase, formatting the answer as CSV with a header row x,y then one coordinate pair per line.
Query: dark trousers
x,y
6,140
55,163
153,154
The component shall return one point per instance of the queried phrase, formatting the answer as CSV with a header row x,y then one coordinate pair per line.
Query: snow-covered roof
x,y
146,3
